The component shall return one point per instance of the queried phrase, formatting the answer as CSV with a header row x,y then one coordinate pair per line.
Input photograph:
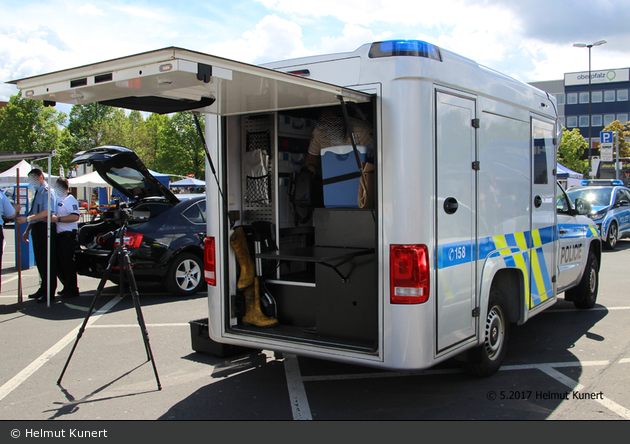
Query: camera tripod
x,y
119,256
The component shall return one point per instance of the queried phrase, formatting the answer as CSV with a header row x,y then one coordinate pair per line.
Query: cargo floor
x,y
306,336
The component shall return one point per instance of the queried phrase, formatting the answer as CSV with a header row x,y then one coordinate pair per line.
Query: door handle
x,y
537,201
450,205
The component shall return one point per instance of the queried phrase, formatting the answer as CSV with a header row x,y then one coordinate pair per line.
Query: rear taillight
x,y
409,274
209,261
131,240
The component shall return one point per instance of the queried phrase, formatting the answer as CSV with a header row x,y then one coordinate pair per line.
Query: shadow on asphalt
x,y
79,306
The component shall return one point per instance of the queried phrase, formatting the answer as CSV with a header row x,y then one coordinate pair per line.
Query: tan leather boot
x,y
253,314
239,243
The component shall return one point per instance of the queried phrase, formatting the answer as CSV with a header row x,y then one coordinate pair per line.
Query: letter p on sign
x,y
606,137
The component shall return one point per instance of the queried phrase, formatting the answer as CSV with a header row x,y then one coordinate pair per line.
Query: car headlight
x,y
598,216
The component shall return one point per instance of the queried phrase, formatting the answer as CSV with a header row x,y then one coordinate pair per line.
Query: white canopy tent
x,y
9,177
90,180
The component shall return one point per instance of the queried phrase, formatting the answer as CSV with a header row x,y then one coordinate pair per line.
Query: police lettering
x,y
571,253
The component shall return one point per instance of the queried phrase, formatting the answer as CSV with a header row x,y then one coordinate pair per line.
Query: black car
x,y
165,233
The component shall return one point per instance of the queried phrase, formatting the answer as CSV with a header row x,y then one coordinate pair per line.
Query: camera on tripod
x,y
123,213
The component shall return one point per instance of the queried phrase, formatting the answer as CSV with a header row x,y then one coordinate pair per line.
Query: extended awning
x,y
174,79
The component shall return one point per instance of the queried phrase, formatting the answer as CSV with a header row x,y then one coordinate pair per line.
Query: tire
x,y
584,295
486,359
185,275
613,236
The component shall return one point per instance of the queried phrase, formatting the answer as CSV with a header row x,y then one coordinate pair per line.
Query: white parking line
x,y
577,387
18,379
297,394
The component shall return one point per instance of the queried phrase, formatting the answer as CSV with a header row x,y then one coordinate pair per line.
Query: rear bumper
x,y
94,263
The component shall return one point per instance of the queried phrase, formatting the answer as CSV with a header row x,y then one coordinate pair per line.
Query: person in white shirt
x,y
66,223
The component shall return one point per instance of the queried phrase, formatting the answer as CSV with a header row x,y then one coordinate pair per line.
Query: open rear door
x,y
174,79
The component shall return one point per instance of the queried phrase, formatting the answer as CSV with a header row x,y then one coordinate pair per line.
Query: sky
x,y
529,40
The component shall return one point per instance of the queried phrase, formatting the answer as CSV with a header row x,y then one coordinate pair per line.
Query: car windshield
x,y
597,197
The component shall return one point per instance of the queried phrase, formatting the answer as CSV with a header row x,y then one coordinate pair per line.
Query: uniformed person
x,y
7,211
66,220
36,219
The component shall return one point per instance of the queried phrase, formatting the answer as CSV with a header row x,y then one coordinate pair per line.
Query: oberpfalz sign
x,y
607,76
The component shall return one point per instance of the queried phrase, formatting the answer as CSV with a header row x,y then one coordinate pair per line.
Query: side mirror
x,y
624,203
583,207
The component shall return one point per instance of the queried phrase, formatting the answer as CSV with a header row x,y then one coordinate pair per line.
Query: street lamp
x,y
590,143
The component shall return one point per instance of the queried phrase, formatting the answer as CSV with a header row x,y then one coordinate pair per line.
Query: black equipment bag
x,y
305,193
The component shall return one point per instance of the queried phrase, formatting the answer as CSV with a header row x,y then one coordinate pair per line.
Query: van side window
x,y
541,139
540,162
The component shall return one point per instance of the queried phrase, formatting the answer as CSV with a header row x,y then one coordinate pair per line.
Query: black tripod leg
x,y
136,302
101,285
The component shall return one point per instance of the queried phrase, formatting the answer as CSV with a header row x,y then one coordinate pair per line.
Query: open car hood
x,y
122,169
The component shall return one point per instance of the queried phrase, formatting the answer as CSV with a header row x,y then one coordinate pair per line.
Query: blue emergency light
x,y
414,48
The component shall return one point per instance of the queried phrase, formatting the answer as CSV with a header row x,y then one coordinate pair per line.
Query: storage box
x,y
341,174
201,342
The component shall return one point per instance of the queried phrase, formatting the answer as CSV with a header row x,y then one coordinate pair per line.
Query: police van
x,y
462,230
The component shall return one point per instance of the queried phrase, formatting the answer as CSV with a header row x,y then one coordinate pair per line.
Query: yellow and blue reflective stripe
x,y
515,249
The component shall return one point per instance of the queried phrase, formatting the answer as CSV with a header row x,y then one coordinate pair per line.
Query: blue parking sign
x,y
606,137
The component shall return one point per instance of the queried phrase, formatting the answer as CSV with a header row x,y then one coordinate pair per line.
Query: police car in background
x,y
610,207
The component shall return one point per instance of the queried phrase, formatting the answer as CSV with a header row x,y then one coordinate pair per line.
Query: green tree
x,y
87,125
154,129
27,125
571,150
180,147
618,128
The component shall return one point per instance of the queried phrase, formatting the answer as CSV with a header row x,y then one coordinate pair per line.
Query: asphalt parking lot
x,y
564,364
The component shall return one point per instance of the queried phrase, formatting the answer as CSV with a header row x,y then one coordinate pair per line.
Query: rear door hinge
x,y
204,72
475,123
475,312
476,165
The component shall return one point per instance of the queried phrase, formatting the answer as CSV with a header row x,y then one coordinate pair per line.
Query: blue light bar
x,y
413,48
602,182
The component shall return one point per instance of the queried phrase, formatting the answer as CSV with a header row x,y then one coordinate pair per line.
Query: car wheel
x,y
185,275
584,295
486,359
613,236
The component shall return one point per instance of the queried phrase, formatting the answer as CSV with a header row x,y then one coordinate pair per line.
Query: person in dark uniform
x,y
66,219
37,228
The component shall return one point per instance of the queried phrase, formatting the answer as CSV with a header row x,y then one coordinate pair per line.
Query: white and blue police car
x,y
610,207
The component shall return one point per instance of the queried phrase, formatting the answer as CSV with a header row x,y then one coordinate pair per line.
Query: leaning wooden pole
x,y
18,240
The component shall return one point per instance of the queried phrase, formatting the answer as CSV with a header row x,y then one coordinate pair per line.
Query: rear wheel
x,y
486,359
185,275
613,236
584,295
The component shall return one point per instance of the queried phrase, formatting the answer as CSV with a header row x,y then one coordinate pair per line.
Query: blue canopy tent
x,y
188,182
568,177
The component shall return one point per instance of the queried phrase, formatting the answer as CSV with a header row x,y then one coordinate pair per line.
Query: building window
x,y
608,119
623,118
583,97
572,99
571,121
561,98
583,121
597,97
609,96
622,95
596,121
